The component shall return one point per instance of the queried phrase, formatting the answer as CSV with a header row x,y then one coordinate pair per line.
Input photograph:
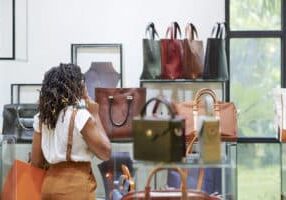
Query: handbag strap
x,y
19,121
202,92
70,134
191,32
151,30
183,181
201,170
173,29
157,102
219,30
129,100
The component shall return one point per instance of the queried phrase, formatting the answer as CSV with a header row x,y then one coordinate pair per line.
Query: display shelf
x,y
224,172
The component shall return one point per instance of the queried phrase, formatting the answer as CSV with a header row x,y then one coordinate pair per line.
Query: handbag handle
x,y
191,32
158,100
173,29
201,170
19,121
151,30
129,99
202,92
219,30
183,181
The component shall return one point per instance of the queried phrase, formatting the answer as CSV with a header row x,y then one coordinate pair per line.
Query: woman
x,y
67,135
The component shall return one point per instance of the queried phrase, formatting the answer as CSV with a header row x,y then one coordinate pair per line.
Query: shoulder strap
x,y
70,135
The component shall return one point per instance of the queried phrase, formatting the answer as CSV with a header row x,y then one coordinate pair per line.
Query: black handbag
x,y
157,138
18,120
215,58
151,54
18,117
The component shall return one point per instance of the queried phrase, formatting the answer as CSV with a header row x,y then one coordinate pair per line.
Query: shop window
x,y
256,49
258,171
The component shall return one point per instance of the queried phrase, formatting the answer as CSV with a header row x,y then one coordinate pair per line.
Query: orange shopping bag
x,y
23,182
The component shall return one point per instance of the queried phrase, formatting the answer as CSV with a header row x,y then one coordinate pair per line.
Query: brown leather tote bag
x,y
172,54
193,60
117,107
224,111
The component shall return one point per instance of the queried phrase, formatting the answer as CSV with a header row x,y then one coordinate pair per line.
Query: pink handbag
x,y
225,111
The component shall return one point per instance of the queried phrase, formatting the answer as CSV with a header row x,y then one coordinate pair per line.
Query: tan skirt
x,y
69,181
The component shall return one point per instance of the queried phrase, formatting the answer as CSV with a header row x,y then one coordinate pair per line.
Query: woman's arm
x,y
37,154
94,133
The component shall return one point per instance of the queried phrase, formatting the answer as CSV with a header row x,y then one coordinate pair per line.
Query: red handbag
x,y
225,111
172,54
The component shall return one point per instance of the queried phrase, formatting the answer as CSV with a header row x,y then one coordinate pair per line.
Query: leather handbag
x,y
18,120
159,139
101,74
117,107
151,54
193,60
169,194
215,59
23,182
172,53
224,111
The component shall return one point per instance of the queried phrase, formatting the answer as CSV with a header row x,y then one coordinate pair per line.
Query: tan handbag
x,y
193,59
224,111
169,194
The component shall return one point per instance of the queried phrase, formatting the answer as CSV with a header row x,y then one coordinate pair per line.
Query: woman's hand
x,y
91,105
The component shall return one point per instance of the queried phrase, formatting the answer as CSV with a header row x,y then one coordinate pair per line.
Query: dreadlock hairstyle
x,y
62,86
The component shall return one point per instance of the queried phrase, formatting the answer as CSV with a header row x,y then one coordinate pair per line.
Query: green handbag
x,y
151,54
158,138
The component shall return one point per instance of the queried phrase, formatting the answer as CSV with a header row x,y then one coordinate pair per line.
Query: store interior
x,y
37,35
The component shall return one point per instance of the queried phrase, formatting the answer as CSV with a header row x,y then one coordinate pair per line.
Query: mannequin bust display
x,y
100,74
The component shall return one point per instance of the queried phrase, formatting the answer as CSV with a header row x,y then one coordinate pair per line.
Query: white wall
x,y
52,25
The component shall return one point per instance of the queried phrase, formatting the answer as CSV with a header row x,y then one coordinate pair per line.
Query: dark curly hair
x,y
62,86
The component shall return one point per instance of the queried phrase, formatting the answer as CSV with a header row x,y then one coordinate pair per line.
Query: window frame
x,y
257,34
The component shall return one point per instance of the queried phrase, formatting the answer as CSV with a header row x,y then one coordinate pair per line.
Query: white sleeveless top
x,y
54,141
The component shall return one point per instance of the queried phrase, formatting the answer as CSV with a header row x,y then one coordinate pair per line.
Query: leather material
x,y
100,74
158,139
172,54
151,54
215,59
193,59
173,194
18,120
226,111
117,107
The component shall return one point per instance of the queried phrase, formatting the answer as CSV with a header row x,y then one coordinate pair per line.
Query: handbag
x,y
159,139
18,120
224,111
172,53
101,74
169,194
23,182
117,107
215,59
151,54
193,60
